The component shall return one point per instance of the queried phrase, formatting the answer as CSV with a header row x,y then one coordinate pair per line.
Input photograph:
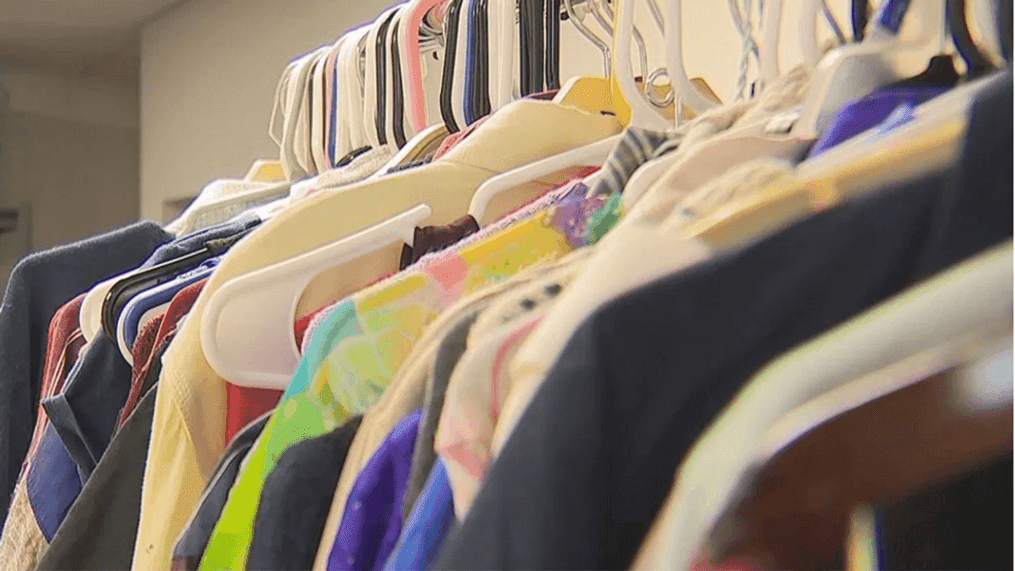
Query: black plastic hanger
x,y
976,63
128,287
538,47
470,20
481,73
530,18
1004,28
524,39
860,15
447,77
380,118
552,44
397,94
940,72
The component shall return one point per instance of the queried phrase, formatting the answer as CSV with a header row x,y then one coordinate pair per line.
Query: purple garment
x,y
868,111
372,520
429,523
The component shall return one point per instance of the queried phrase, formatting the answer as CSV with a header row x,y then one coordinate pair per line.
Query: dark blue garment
x,y
38,286
197,239
429,523
53,483
593,456
869,111
84,414
295,501
372,520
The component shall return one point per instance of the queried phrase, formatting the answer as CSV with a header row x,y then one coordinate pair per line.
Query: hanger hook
x,y
654,99
638,40
591,37
657,15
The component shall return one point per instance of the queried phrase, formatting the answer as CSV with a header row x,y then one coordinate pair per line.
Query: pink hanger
x,y
416,92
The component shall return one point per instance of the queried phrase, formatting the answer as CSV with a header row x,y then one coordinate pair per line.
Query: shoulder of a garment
x,y
509,126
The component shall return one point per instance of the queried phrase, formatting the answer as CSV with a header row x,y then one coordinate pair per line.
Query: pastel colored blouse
x,y
364,339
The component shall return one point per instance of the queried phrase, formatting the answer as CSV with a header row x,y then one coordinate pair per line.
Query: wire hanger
x,y
262,305
603,47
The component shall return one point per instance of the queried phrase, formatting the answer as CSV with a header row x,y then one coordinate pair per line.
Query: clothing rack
x,y
527,318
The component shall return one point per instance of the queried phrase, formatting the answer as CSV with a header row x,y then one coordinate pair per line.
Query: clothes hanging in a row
x,y
547,331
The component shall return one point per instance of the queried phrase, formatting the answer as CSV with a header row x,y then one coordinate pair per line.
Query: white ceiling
x,y
90,37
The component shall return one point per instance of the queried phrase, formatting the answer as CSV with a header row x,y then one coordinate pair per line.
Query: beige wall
x,y
69,148
208,71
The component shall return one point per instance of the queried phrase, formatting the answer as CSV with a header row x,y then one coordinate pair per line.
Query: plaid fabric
x,y
635,148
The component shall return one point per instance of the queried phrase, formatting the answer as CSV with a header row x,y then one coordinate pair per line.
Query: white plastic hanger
x,y
853,70
947,306
300,112
592,154
276,123
318,121
352,91
685,93
294,124
90,315
502,49
247,327
643,115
